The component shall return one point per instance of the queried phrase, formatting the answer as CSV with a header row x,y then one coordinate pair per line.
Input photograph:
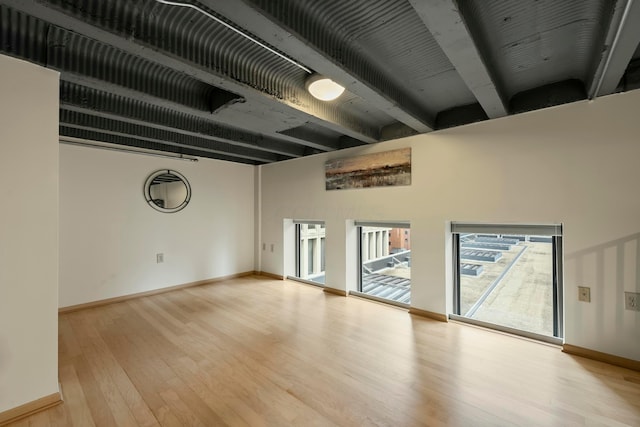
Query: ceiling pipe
x,y
237,31
623,20
83,143
328,90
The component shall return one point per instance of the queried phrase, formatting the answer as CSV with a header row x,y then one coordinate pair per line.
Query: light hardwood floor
x,y
261,352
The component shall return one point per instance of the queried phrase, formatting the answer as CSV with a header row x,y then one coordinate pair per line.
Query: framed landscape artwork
x,y
389,168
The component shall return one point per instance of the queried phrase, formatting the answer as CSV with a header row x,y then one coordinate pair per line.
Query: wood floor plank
x,y
147,372
122,398
39,419
96,354
100,412
59,417
75,402
207,389
259,352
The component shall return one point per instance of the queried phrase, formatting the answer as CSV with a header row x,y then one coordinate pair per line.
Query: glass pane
x,y
386,263
507,280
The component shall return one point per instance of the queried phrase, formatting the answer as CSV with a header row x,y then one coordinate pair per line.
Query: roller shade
x,y
306,221
517,229
394,224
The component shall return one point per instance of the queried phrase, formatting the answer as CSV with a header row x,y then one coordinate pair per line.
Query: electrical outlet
x,y
264,246
272,246
584,294
632,301
159,258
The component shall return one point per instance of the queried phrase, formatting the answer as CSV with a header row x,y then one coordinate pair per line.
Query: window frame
x,y
383,224
552,230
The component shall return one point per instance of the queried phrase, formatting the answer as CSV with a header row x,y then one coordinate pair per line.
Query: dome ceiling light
x,y
323,88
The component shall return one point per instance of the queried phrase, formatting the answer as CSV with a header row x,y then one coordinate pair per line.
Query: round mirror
x,y
167,191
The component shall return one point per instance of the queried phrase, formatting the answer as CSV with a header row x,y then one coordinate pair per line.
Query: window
x,y
385,262
310,246
508,277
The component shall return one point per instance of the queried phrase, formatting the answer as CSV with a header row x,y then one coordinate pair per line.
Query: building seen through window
x,y
385,262
310,252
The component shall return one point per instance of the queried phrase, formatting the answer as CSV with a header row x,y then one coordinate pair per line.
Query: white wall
x,y
28,232
109,236
577,164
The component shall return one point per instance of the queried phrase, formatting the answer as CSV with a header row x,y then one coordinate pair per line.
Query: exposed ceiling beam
x,y
315,146
132,111
82,137
278,148
305,106
621,42
445,23
125,92
220,132
354,74
104,86
110,127
173,144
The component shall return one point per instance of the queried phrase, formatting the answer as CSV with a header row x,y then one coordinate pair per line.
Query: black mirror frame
x,y
149,199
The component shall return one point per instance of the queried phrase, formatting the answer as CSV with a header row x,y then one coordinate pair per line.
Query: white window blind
x,y
390,224
517,229
307,221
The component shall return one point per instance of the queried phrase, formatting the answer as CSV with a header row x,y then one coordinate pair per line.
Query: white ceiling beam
x,y
445,23
621,42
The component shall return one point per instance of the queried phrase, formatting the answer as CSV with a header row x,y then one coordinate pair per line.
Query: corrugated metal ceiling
x,y
169,78
534,43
